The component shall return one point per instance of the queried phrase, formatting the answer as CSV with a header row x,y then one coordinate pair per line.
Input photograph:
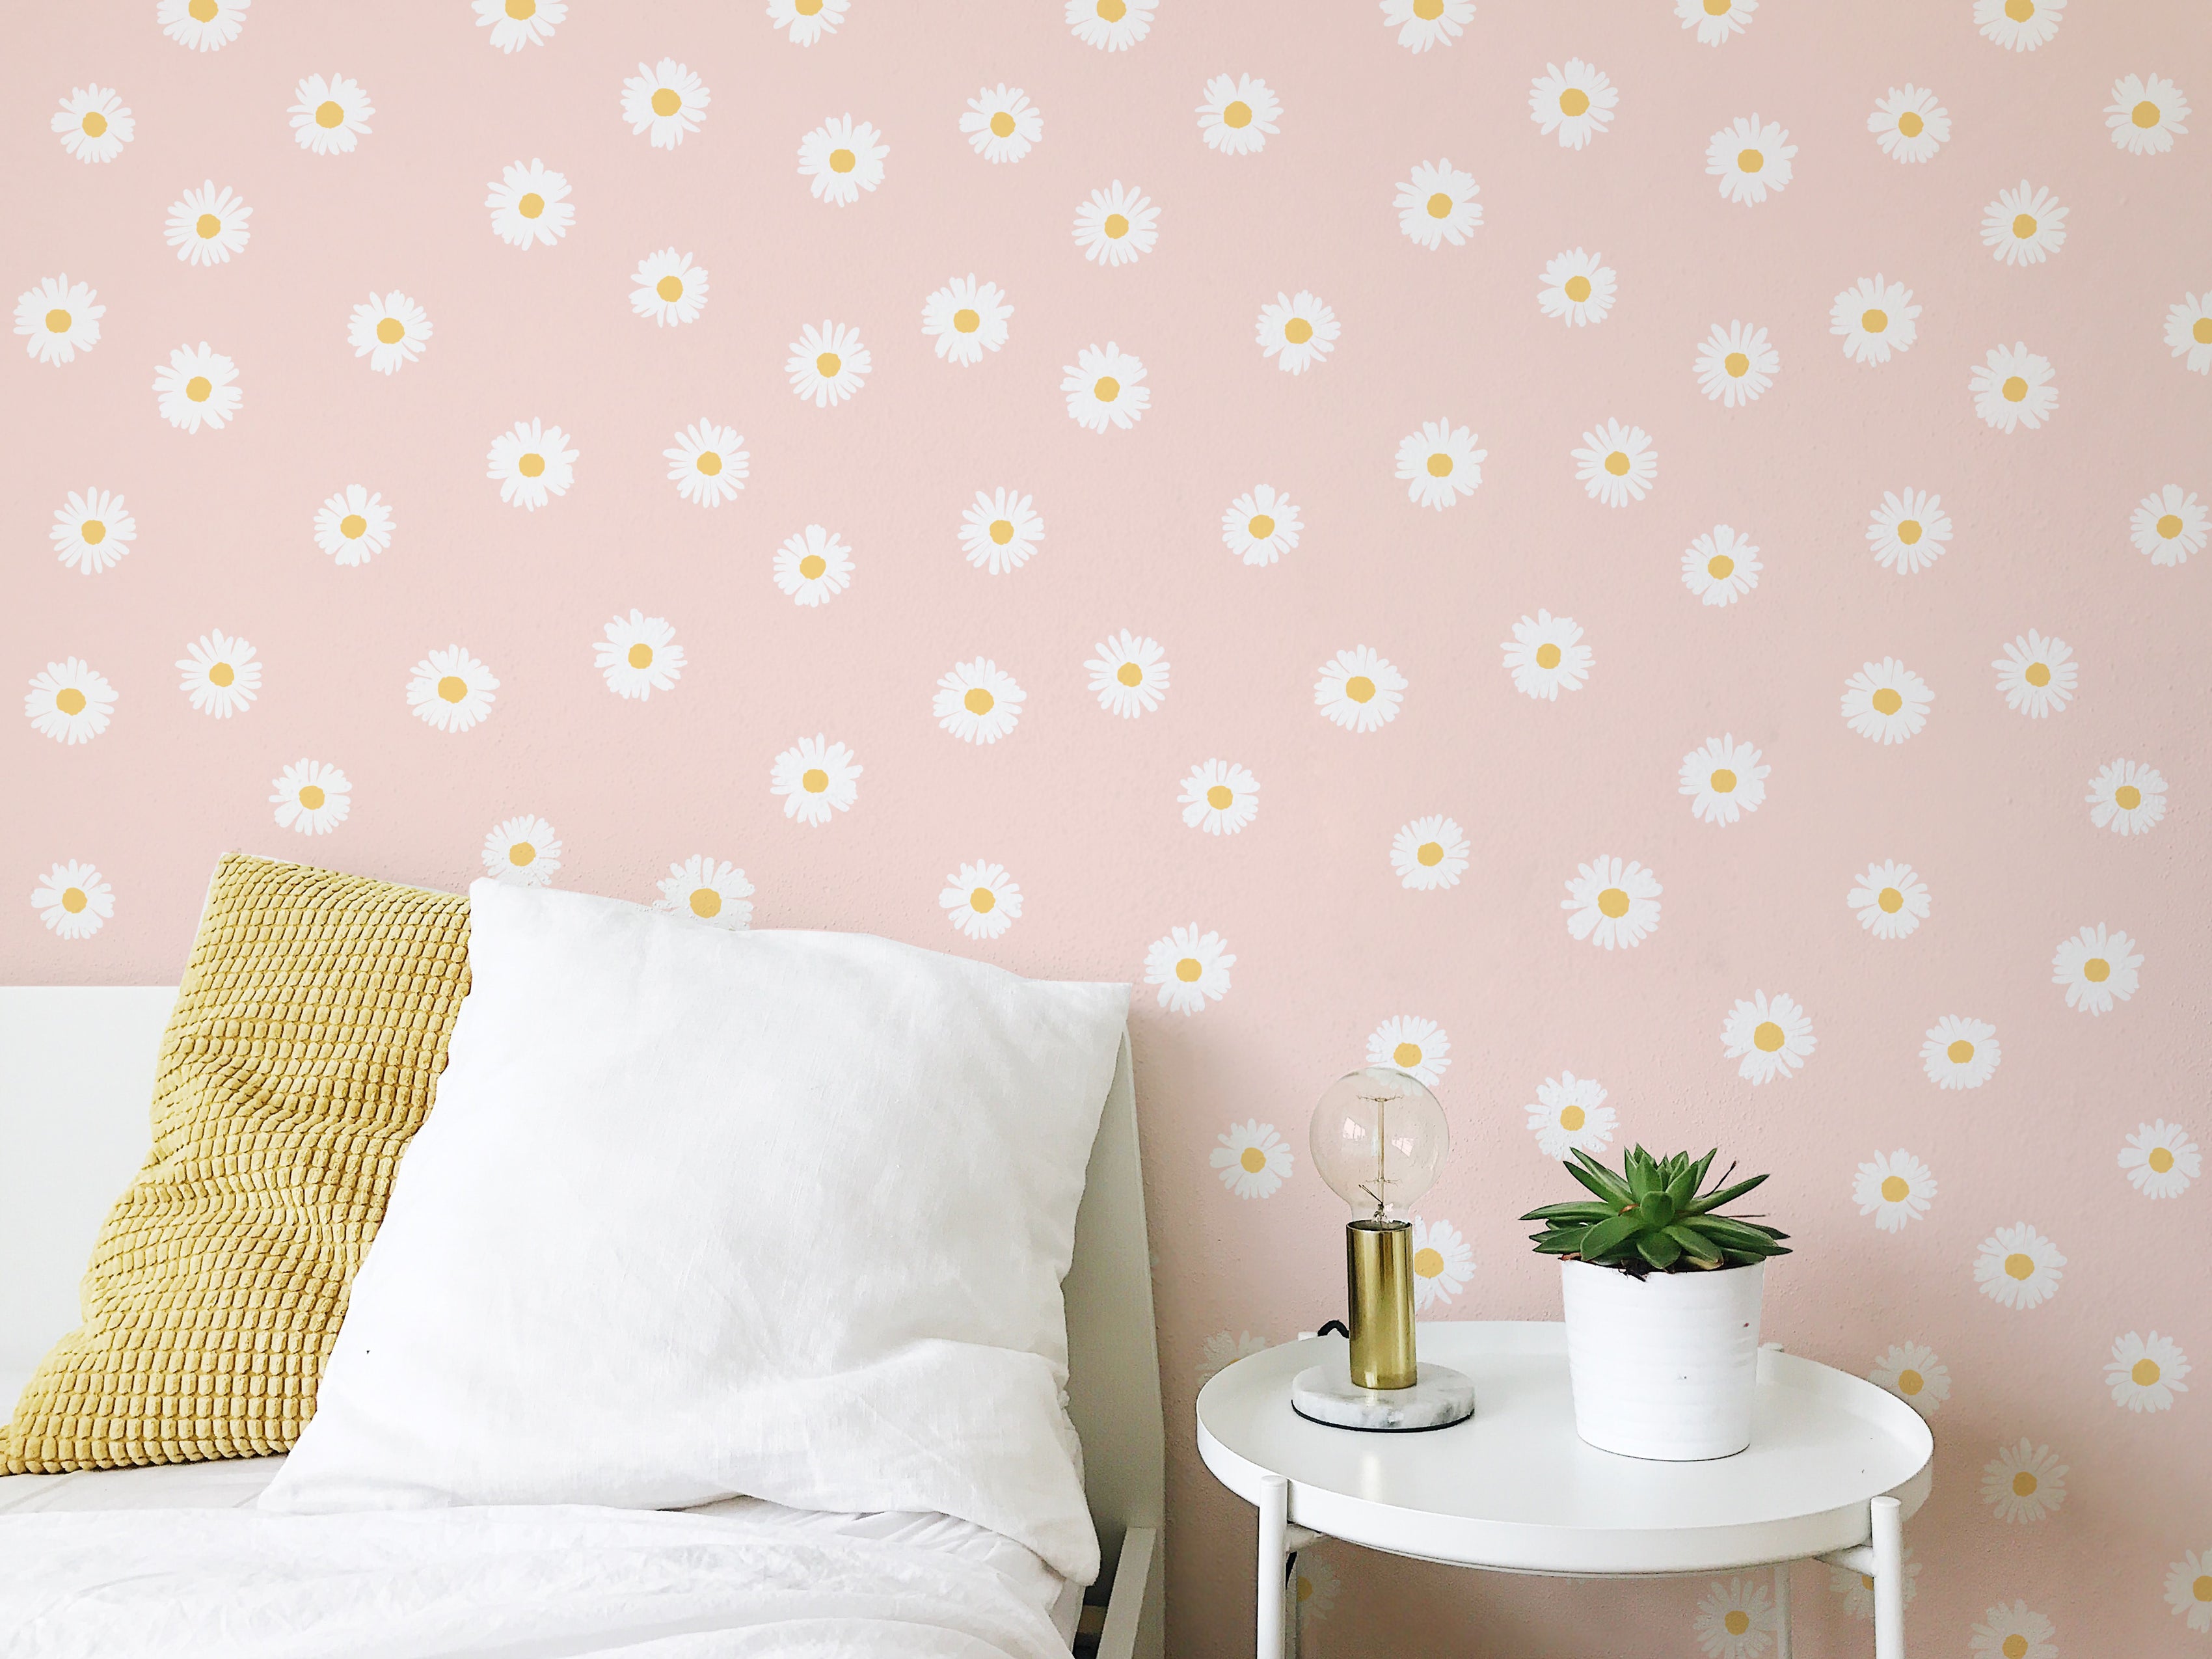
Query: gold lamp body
x,y
1378,1271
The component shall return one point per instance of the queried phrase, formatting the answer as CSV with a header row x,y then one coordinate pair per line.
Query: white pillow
x,y
699,1213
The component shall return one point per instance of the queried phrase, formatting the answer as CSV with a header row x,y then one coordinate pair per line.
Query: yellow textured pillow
x,y
306,1042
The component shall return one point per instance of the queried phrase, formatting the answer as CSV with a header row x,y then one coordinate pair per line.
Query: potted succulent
x,y
1662,1295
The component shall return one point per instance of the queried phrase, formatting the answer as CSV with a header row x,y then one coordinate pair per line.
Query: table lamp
x,y
1379,1139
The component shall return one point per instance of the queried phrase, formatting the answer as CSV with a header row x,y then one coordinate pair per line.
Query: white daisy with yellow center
x,y
666,101
203,25
1422,24
1716,22
966,319
2147,112
1191,970
1909,124
531,462
451,690
2189,1589
981,900
390,330
522,852
530,205
69,701
816,779
1960,1053
1768,1037
1437,205
638,655
330,114
807,20
1224,1349
1612,904
515,24
841,158
1875,319
1408,1043
1736,364
1129,675
1616,464
1724,780
2127,797
2024,226
1439,464
311,797
709,464
813,567
2013,1632
2097,968
1908,532
1429,853
1219,796
827,364
2024,1481
1296,332
353,525
2160,1160
2145,1373
72,900
2012,388
2168,525
1571,1116
92,532
59,319
715,892
207,226
2188,331
1546,656
1751,159
196,387
221,674
1721,566
1252,1160
1314,1589
671,290
1886,702
1856,1589
2037,675
2018,25
1576,102
1913,1372
1577,289
1116,226
1237,114
1001,124
978,701
1359,689
94,122
1895,1188
1443,1262
1890,899
1105,387
1737,1619
1001,531
1260,526
1110,25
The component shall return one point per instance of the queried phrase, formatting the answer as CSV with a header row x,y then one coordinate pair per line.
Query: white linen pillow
x,y
698,1213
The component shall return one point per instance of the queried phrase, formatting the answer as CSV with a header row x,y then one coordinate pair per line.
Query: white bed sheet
x,y
92,1562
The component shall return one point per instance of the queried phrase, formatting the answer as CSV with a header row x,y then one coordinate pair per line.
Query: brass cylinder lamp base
x,y
1384,1388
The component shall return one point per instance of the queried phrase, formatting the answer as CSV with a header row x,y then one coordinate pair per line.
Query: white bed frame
x,y
76,1074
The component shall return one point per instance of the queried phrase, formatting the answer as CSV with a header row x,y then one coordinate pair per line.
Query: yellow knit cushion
x,y
307,1041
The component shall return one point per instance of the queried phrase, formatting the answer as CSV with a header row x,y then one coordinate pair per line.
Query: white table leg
x,y
1889,1579
1782,1609
1271,1582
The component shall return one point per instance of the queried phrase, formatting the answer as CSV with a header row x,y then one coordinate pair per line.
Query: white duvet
x,y
507,1583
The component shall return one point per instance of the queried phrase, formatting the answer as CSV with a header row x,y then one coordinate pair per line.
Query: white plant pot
x,y
1663,1366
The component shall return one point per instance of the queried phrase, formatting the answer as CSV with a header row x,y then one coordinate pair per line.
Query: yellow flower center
x,y
2096,970
92,531
1106,389
1428,10
1252,1157
1613,902
2023,225
806,8
521,10
389,331
814,780
1129,674
199,388
2144,1373
1440,465
1895,1190
978,700
221,674
1767,1038
1189,969
2019,1265
639,655
2020,11
2146,114
1718,8
1720,567
74,900
1735,1621
1909,1383
1749,160
666,101
1737,365
208,226
1572,1118
1440,206
2014,388
1547,655
201,11
710,462
669,288
1297,331
531,205
1908,530
2014,1646
1359,688
828,364
1910,123
70,699
94,123
1405,1056
2024,1485
842,161
812,566
1723,782
1219,796
1116,227
1617,463
1873,320
1237,114
1428,1261
521,855
1891,900
2201,331
706,902
1002,124
2161,1159
2202,1589
1887,701
311,796
1260,526
1959,1054
57,321
1110,11
967,321
2169,526
1002,531
1430,853
452,688
2037,673
1574,101
2127,797
981,900
328,113
1578,287
531,465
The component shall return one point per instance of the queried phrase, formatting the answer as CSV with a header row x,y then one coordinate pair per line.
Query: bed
x,y
91,1560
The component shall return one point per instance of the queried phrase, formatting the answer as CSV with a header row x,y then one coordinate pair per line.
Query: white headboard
x,y
76,1080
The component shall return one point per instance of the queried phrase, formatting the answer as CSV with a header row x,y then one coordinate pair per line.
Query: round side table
x,y
1835,1467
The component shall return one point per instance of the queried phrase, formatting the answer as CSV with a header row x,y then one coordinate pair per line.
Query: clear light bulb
x,y
1379,1139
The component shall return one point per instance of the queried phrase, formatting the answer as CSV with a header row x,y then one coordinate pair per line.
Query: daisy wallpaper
x,y
1645,562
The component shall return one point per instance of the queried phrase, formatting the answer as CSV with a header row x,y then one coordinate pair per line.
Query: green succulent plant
x,y
1650,1215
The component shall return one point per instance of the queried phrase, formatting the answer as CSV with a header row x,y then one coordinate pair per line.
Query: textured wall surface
x,y
1649,568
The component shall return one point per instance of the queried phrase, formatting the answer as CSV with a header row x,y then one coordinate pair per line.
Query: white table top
x,y
1515,1488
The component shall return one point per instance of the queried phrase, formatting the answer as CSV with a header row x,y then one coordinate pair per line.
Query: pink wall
x,y
1080,806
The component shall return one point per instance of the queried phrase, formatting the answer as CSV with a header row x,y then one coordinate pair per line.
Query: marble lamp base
x,y
1440,1396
